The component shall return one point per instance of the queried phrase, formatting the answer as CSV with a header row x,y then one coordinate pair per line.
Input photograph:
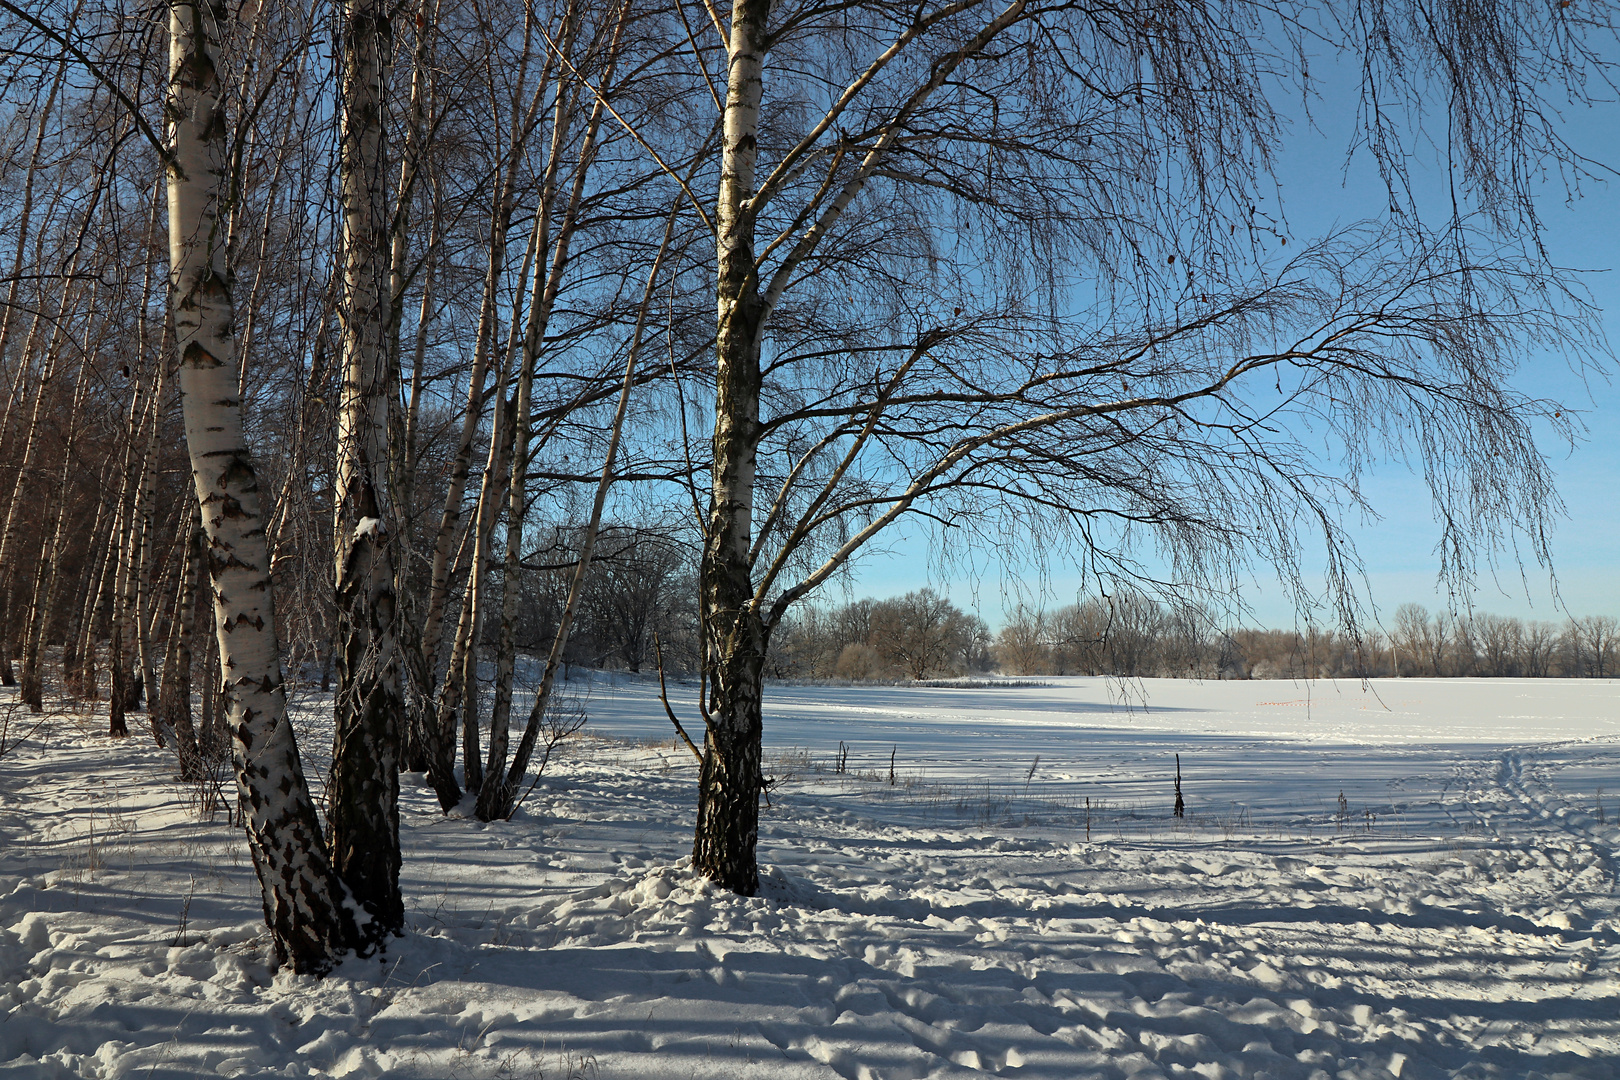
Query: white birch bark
x,y
461,683
416,684
735,635
492,797
304,906
74,660
136,454
126,691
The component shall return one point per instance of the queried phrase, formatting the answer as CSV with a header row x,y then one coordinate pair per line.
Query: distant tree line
x,y
922,635
915,636
1132,635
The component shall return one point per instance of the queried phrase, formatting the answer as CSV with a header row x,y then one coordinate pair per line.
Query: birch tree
x,y
1000,265
310,918
364,790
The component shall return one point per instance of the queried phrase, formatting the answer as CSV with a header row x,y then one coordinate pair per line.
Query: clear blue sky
x,y
1398,550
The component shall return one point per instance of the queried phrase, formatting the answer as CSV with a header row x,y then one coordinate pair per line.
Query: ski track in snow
x,y
1460,920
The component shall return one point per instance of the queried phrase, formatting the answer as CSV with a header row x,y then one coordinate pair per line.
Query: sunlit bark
x,y
735,635
304,905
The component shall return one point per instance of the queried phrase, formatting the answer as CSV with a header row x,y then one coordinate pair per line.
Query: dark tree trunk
x,y
70,662
32,691
441,768
723,846
415,742
447,719
211,740
175,701
89,673
118,696
363,793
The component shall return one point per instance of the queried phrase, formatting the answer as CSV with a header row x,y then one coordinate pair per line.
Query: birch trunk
x,y
8,321
11,539
117,625
494,795
126,690
498,797
441,749
86,676
138,602
735,634
363,811
409,170
440,729
461,465
304,906
417,684
48,579
145,609
160,619
494,800
73,658
416,744
127,686
461,684
174,700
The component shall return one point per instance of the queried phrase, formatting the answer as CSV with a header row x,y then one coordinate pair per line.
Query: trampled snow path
x,y
959,923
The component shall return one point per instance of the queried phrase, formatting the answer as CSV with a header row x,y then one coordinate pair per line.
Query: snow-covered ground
x,y
1453,914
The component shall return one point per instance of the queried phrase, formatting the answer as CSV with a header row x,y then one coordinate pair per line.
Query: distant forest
x,y
922,635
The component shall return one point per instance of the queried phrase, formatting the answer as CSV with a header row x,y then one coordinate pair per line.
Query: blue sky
x,y
1398,550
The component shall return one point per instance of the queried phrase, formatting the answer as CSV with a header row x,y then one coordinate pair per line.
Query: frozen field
x,y
1453,915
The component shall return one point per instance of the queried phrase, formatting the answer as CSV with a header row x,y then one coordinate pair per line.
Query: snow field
x,y
961,925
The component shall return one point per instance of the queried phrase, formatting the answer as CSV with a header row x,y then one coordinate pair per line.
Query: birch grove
x,y
422,366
